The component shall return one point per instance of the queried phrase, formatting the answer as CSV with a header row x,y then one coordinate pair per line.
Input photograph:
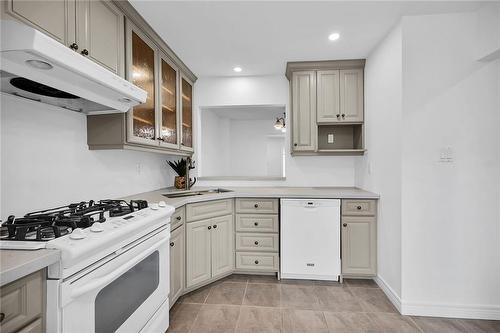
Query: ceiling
x,y
248,112
261,36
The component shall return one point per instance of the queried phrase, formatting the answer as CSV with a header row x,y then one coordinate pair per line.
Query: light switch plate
x,y
330,138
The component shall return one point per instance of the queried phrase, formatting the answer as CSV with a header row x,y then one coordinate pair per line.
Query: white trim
x,y
389,292
468,311
472,311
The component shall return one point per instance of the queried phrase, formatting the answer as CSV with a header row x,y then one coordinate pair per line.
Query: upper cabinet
x,y
327,107
187,114
304,110
93,28
164,123
99,33
142,71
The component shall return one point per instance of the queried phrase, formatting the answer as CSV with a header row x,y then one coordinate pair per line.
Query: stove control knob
x,y
162,204
77,234
96,227
154,206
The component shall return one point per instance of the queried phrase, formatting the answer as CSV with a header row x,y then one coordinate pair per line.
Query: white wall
x,y
451,224
215,149
488,35
380,170
45,161
271,90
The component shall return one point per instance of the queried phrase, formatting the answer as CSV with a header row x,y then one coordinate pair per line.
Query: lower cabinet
x,y
209,249
177,267
22,305
359,238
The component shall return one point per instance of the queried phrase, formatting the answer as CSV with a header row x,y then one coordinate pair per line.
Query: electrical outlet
x,y
330,138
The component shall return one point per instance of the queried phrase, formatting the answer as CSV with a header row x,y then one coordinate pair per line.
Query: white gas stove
x,y
114,270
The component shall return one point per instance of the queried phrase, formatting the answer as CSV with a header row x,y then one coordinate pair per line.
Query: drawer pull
x,y
345,224
2,317
256,262
256,243
256,206
256,224
178,218
172,244
359,207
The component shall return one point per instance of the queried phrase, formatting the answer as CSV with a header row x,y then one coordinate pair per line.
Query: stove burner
x,y
48,224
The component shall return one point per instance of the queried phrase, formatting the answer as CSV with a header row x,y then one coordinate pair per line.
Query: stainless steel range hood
x,y
36,67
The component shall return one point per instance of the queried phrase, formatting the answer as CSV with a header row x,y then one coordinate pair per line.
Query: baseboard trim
x,y
451,310
389,292
438,310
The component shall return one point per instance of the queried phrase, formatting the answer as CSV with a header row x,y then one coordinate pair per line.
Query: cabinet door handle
x,y
209,227
256,206
338,116
256,243
178,218
256,224
74,46
345,224
2,317
343,115
256,262
172,244
215,226
295,145
85,52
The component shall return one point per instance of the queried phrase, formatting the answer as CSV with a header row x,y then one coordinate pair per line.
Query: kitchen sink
x,y
194,193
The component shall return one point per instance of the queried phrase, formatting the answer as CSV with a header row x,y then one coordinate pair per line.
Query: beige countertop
x,y
249,192
14,264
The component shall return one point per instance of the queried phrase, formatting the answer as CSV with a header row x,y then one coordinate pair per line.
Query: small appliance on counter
x,y
113,275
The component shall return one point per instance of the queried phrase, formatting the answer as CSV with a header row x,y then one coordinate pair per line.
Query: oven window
x,y
118,300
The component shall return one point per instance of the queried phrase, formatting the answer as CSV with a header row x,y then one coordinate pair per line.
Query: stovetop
x,y
45,225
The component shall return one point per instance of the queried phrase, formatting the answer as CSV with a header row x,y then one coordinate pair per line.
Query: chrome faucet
x,y
189,166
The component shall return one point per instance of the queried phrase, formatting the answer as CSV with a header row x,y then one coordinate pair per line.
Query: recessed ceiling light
x,y
334,36
237,69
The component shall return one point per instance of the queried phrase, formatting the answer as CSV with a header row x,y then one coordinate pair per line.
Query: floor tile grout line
x,y
195,318
414,323
239,309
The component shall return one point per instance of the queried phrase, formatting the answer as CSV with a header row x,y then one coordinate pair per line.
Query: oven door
x,y
121,295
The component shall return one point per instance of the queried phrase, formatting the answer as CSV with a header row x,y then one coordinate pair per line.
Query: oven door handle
x,y
96,283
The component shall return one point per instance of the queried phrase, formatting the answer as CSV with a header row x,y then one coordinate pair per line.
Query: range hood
x,y
36,67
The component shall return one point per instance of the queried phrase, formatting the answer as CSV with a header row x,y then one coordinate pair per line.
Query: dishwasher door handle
x,y
310,204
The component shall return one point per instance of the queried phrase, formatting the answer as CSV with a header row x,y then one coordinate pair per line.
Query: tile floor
x,y
262,304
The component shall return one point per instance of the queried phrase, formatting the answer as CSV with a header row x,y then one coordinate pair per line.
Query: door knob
x,y
359,207
256,262
256,206
295,144
215,226
209,227
172,244
343,115
256,243
338,116
256,224
345,224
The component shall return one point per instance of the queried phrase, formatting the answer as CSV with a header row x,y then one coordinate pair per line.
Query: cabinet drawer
x,y
21,302
205,210
257,261
256,223
359,207
177,218
257,205
256,242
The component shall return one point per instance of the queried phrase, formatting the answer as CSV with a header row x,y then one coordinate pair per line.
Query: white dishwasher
x,y
310,239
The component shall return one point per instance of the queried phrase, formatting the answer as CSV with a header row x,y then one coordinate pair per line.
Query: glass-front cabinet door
x,y
187,114
141,56
168,129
